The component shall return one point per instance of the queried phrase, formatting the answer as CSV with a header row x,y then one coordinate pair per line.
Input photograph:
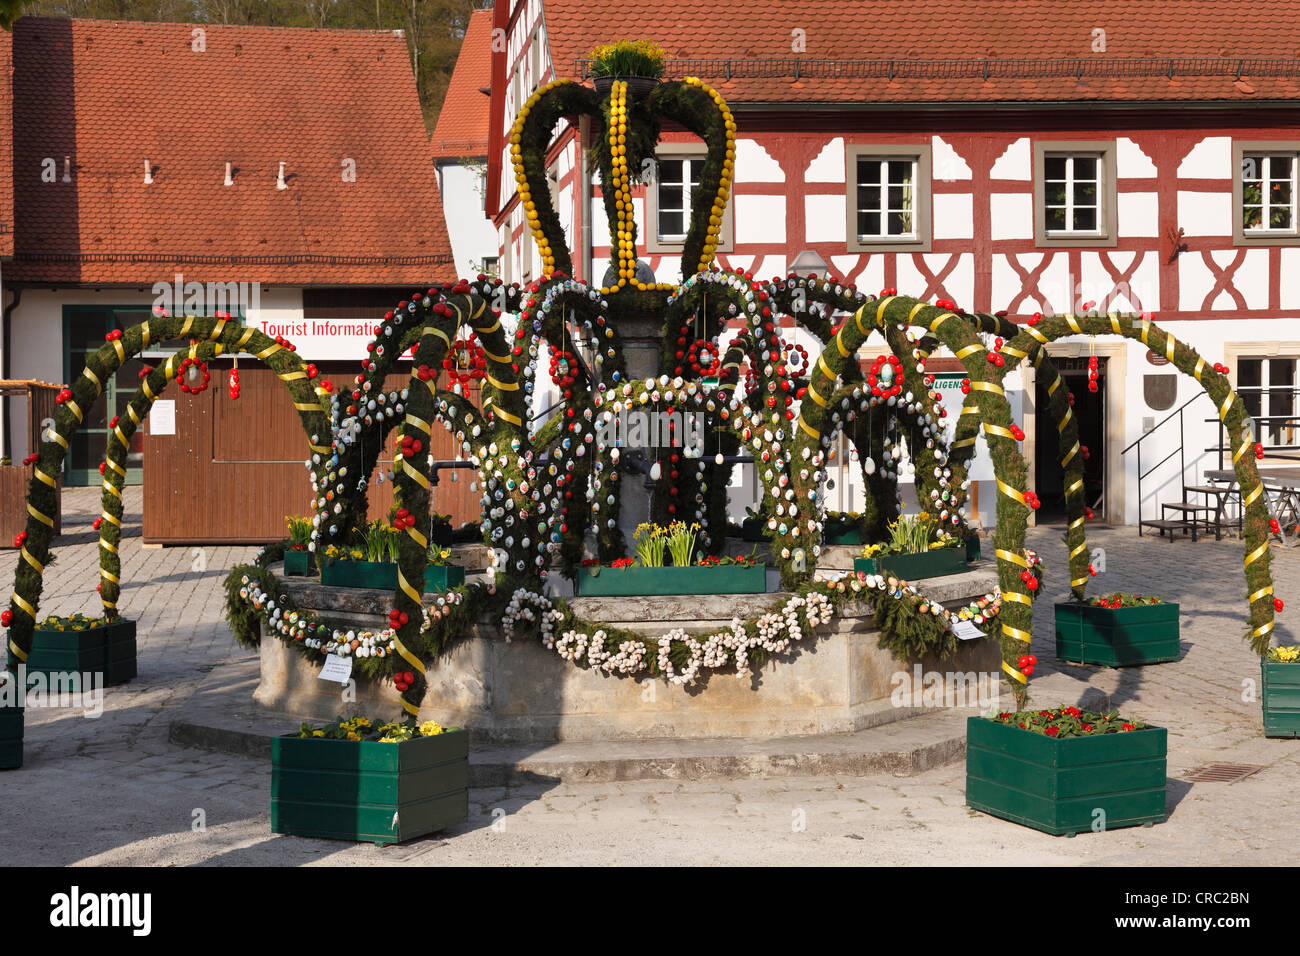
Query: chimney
x,y
279,180
230,180
148,173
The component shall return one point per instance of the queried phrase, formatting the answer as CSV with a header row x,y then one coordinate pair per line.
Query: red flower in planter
x,y
1087,726
622,562
1128,727
1052,731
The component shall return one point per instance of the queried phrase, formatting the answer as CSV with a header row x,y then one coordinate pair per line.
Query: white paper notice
x,y
162,417
337,669
967,631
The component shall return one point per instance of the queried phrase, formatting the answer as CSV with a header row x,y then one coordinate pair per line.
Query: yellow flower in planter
x,y
430,728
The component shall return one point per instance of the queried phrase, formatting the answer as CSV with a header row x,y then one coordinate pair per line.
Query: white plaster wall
x,y
473,237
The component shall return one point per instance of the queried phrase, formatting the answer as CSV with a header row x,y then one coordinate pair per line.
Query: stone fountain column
x,y
642,336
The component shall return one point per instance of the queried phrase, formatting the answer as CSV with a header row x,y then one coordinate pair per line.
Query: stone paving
x,y
113,790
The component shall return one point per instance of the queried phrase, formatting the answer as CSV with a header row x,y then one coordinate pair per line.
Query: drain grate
x,y
1221,773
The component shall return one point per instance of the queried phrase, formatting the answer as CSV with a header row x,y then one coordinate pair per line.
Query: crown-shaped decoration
x,y
628,111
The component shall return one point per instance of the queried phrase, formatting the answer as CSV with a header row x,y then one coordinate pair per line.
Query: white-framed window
x,y
1075,201
886,198
1270,389
677,177
668,199
1072,185
1268,193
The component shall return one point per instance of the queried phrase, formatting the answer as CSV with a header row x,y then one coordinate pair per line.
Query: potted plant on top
x,y
1280,698
1117,630
917,548
297,559
646,574
639,62
1065,770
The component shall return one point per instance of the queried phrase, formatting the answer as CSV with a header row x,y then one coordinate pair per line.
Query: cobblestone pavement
x,y
113,790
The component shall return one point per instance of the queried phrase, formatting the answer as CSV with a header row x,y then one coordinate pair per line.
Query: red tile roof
x,y
462,128
6,147
109,94
762,32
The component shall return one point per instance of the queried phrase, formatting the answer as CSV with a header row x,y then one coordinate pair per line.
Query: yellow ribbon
x,y
43,518
998,430
417,537
812,393
1256,554
1017,597
1267,589
502,413
405,585
1200,364
270,350
121,352
73,407
185,329
1035,334
419,423
503,386
31,611
1014,674
144,334
1073,323
809,430
1114,324
103,543
1069,455
1012,557
824,368
1078,483
1010,492
1250,498
17,651
108,517
46,478
1169,347
99,386
971,349
1262,629
31,559
1018,634
54,435
934,326
1078,581
308,407
994,387
243,339
411,470
109,575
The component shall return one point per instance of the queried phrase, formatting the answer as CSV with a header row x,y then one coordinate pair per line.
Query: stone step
x,y
221,716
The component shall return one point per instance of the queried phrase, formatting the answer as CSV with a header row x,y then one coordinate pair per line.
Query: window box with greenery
x,y
646,574
639,62
1065,770
1117,630
1074,194
889,202
373,563
1264,194
917,548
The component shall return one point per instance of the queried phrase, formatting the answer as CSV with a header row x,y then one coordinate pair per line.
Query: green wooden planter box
x,y
1281,698
298,563
720,579
1058,785
382,575
842,534
914,567
11,738
368,791
109,650
443,577
1116,637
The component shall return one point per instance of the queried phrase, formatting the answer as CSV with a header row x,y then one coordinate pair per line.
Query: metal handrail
x,y
1288,421
1179,451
